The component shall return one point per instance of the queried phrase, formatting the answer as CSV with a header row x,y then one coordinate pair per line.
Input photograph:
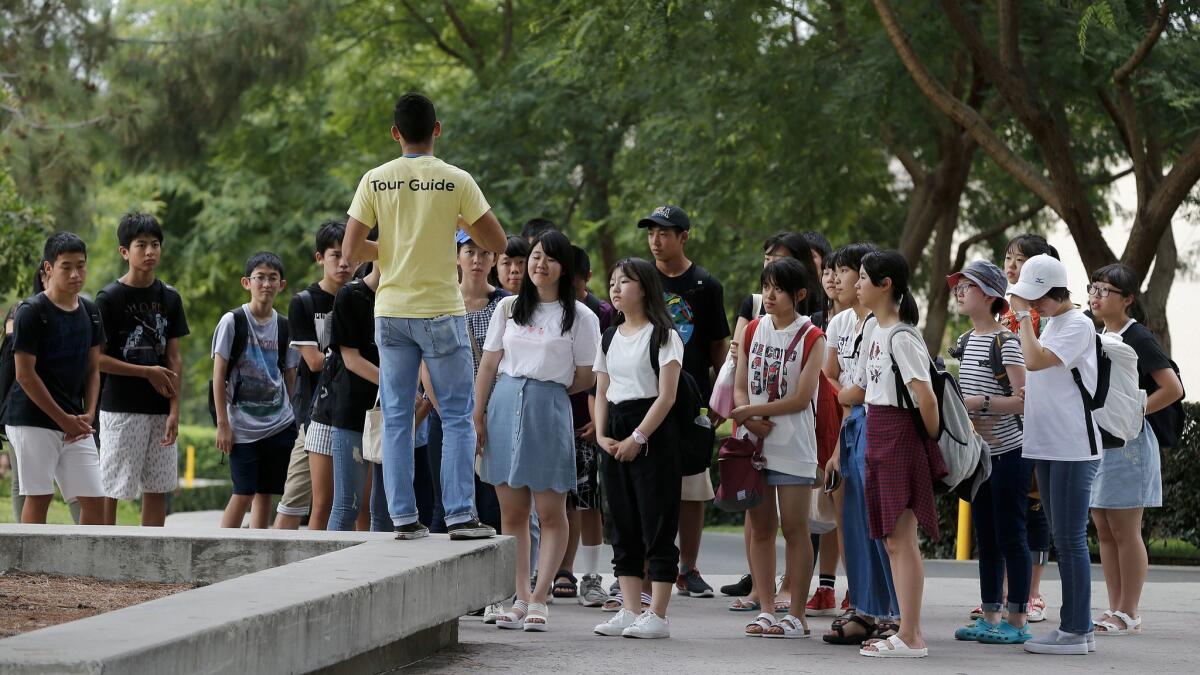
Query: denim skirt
x,y
1130,477
530,436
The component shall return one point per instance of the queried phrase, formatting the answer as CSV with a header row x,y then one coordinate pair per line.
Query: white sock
x,y
589,558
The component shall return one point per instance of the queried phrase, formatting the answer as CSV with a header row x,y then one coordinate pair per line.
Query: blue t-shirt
x,y
60,341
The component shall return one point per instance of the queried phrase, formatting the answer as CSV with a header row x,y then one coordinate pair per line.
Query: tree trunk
x,y
1154,301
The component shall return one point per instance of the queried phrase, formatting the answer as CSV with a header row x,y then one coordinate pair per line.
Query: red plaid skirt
x,y
901,467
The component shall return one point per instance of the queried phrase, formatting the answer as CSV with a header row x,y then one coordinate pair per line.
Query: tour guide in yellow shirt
x,y
417,201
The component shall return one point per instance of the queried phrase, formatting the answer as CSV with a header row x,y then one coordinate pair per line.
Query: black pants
x,y
643,498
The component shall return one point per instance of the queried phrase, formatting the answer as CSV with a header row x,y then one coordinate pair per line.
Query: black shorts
x,y
586,493
261,467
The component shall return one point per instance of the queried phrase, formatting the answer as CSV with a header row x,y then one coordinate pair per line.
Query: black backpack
x,y
695,438
1168,422
241,337
8,366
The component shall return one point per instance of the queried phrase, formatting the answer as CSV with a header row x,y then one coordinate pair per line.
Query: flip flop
x,y
894,648
743,605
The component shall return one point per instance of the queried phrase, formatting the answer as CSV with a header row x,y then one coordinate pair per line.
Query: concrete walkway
x,y
707,638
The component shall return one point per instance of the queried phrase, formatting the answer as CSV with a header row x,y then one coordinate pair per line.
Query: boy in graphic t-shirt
x,y
310,325
696,302
418,200
139,403
255,423
57,338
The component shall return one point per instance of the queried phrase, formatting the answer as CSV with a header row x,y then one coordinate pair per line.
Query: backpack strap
x,y
1094,402
755,305
805,328
93,314
241,336
902,394
748,336
607,338
959,350
283,341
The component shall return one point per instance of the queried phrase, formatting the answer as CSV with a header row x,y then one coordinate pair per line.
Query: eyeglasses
x,y
1102,291
263,280
962,288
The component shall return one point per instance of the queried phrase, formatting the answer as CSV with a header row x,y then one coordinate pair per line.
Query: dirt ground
x,y
32,601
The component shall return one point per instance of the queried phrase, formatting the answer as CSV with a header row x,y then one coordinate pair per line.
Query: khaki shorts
x,y
297,490
697,488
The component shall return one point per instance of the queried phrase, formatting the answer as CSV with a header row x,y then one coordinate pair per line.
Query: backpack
x,y
241,337
693,430
1118,407
8,365
995,360
1168,422
827,412
964,452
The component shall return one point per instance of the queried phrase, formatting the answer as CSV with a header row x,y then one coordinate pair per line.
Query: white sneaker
x,y
616,625
491,613
648,626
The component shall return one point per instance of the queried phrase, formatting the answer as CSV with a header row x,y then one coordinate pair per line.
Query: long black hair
x,y
646,274
798,246
1030,245
555,245
790,276
516,247
880,265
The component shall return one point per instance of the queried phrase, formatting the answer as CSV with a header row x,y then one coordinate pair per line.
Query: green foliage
x,y
1099,12
23,229
1179,517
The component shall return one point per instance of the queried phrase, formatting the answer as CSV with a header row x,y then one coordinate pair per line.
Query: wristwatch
x,y
1022,315
987,403
639,437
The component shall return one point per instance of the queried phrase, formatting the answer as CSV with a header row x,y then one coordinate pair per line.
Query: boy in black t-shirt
x,y
696,302
56,352
139,405
310,473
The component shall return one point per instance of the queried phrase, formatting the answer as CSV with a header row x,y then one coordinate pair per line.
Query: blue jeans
x,y
442,344
1066,490
999,514
868,568
349,483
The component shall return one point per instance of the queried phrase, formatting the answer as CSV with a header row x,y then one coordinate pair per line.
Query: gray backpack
x,y
966,455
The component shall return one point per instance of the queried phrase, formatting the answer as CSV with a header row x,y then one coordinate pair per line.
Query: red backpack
x,y
827,412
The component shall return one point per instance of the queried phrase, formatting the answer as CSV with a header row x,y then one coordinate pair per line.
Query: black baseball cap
x,y
667,216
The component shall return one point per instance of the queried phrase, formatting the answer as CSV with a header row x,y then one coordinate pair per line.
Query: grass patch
x,y
128,513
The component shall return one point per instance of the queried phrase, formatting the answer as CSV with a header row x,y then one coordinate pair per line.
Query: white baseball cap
x,y
1039,274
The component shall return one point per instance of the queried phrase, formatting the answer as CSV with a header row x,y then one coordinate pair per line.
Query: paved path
x,y
706,638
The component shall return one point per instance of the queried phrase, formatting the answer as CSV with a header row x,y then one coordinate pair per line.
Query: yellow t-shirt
x,y
416,201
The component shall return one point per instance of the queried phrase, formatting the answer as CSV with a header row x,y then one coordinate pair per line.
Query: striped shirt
x,y
977,378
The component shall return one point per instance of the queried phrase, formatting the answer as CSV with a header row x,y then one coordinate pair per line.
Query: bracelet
x,y
639,437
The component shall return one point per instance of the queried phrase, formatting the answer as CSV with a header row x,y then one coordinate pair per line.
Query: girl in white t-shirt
x,y
542,342
902,460
1065,451
640,464
774,391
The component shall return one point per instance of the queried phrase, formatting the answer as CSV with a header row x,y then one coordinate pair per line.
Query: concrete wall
x,y
313,614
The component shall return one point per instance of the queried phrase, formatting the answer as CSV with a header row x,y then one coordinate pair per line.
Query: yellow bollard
x,y
964,531
189,468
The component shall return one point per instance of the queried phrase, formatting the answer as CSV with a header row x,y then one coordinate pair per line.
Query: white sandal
x,y
1132,626
538,618
894,648
790,628
514,619
758,627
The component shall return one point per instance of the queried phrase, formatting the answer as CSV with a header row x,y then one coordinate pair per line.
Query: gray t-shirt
x,y
262,409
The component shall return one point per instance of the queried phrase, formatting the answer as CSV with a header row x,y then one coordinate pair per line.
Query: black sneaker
x,y
414,530
693,584
740,589
471,529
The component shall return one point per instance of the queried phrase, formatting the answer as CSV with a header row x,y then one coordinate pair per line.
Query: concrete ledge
x,y
359,605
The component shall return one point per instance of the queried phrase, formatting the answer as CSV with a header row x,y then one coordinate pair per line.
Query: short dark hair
x,y
787,274
536,227
851,255
62,242
414,117
1059,294
997,306
1122,278
583,263
818,242
264,259
330,235
516,247
134,225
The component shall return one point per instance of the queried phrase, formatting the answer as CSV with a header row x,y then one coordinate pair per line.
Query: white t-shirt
x,y
627,363
540,351
874,371
1055,425
842,334
791,447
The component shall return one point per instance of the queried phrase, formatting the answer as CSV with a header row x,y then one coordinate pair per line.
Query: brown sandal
x,y
837,632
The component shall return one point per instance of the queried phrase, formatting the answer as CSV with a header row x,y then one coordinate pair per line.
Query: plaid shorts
x,y
586,493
